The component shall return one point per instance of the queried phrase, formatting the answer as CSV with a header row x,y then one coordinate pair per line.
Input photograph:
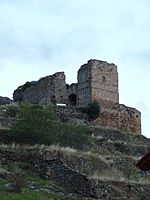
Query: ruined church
x,y
97,81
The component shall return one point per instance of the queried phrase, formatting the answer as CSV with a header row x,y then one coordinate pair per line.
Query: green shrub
x,y
11,111
74,136
34,124
93,110
40,125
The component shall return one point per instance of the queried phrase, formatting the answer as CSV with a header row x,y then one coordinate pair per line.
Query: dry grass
x,y
115,175
110,174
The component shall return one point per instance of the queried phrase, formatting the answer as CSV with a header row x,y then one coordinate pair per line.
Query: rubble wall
x,y
120,117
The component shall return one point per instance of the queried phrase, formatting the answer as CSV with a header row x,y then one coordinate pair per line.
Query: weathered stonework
x,y
50,89
97,80
120,117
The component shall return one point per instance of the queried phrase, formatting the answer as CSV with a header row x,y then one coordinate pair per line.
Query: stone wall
x,y
49,165
30,95
104,81
73,181
50,89
84,85
129,119
120,117
71,115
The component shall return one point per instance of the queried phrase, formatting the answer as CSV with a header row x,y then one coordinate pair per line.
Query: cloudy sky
x,y
40,37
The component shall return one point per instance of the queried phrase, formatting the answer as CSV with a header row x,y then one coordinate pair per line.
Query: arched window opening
x,y
103,79
72,99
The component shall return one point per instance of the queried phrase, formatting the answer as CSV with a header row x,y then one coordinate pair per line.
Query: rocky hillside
x,y
103,168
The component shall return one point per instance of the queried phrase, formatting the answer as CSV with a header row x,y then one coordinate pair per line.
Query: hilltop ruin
x,y
97,81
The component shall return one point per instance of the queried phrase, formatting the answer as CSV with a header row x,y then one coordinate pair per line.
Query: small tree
x,y
93,110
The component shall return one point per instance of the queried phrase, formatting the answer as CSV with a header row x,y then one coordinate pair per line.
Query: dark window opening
x,y
53,100
72,99
103,79
67,86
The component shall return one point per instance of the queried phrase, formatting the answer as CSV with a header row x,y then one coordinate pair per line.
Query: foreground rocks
x,y
74,181
52,166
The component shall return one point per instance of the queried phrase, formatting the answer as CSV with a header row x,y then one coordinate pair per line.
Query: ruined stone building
x,y
97,80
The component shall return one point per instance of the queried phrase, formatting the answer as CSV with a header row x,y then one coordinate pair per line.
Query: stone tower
x,y
97,80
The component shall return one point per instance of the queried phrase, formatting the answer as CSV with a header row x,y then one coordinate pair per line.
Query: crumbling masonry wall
x,y
50,89
120,117
84,85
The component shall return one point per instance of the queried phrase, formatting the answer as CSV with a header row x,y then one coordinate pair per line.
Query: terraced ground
x,y
87,162
106,171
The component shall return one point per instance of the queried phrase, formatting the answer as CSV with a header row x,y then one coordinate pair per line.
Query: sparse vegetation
x,y
100,158
40,125
34,124
28,193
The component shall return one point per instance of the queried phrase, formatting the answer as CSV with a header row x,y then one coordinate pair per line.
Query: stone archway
x,y
72,99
